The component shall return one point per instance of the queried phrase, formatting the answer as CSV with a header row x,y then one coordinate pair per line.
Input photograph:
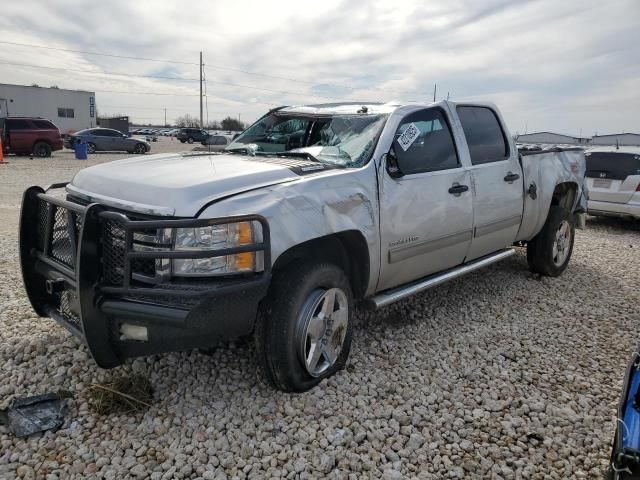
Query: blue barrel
x,y
81,151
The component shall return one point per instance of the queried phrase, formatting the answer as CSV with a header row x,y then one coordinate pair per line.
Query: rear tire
x,y
303,333
42,150
190,140
550,251
182,141
91,147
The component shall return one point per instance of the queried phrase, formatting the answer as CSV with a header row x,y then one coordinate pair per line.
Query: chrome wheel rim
x,y
140,149
91,148
561,244
322,325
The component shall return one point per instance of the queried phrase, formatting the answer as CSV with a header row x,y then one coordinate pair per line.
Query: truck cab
x,y
310,211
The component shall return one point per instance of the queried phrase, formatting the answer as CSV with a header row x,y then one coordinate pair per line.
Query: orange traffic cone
x,y
2,162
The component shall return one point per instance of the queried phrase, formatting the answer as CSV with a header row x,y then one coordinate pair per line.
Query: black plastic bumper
x,y
68,266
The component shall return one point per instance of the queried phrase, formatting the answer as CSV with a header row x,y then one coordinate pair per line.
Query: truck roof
x,y
346,108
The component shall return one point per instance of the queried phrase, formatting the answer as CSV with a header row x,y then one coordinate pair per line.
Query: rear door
x,y
612,176
426,214
20,135
496,178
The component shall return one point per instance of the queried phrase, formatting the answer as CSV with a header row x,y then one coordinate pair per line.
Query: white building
x,y
551,138
70,110
617,139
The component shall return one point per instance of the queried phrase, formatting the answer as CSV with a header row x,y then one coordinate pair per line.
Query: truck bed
x,y
542,169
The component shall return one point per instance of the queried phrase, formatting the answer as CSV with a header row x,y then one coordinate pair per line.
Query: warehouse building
x,y
551,138
70,110
617,139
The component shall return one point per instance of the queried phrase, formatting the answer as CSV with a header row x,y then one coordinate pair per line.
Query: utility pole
x,y
165,117
201,68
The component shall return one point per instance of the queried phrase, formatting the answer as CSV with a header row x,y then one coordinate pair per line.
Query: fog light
x,y
129,331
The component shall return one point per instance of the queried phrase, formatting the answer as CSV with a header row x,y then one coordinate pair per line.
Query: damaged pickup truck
x,y
310,210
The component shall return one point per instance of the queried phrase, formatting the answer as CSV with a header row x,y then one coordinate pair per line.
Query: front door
x,y
497,181
425,214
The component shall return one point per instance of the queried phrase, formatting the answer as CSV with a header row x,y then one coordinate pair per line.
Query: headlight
x,y
215,237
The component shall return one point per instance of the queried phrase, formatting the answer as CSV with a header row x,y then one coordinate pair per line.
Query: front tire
x,y
42,150
550,251
139,149
91,147
303,334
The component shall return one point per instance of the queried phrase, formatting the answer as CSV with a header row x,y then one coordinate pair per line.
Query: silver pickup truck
x,y
310,210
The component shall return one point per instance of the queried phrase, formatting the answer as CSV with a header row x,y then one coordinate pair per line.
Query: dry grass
x,y
124,394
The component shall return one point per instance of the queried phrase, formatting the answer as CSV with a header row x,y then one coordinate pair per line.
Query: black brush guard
x,y
74,273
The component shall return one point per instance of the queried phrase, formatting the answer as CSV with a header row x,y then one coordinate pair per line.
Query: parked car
x,y
107,139
190,135
613,177
30,136
216,143
280,240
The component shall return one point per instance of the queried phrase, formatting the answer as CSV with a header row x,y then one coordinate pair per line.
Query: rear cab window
x,y
485,138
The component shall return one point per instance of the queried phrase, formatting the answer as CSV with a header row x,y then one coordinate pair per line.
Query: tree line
x,y
229,123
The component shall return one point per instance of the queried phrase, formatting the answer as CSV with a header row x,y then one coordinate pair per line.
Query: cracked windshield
x,y
344,140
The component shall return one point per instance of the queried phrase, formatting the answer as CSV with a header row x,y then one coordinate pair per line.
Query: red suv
x,y
26,136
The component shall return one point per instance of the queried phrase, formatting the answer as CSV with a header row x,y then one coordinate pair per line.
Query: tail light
x,y
638,188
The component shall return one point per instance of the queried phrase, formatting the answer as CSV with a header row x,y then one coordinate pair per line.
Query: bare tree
x,y
187,121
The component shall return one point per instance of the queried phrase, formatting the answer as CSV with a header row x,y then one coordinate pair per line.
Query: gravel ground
x,y
501,374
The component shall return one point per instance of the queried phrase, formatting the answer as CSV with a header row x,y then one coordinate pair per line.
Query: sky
x,y
570,67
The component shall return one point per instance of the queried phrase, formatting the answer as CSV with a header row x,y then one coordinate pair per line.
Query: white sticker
x,y
408,136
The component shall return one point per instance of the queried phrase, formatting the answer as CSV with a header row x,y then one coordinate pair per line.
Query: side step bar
x,y
388,297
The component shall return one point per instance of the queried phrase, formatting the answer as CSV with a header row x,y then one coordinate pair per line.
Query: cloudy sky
x,y
570,66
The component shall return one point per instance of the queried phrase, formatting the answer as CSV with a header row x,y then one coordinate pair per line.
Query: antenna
x,y
435,87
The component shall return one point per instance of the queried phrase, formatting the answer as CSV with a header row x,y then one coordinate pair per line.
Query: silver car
x,y
107,139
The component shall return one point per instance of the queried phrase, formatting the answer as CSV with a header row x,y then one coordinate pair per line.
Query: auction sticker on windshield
x,y
408,136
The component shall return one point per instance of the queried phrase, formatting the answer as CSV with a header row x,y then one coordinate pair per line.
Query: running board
x,y
388,297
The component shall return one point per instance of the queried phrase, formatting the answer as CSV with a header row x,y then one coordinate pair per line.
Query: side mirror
x,y
392,164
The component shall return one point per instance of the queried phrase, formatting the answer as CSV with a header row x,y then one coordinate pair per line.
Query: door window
x,y
485,138
423,143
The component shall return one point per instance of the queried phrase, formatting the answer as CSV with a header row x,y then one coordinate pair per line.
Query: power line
x,y
151,93
146,59
160,77
220,67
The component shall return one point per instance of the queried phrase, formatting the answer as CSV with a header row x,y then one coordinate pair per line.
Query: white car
x,y
613,178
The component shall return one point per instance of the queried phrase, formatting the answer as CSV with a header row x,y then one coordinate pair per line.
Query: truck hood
x,y
178,184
